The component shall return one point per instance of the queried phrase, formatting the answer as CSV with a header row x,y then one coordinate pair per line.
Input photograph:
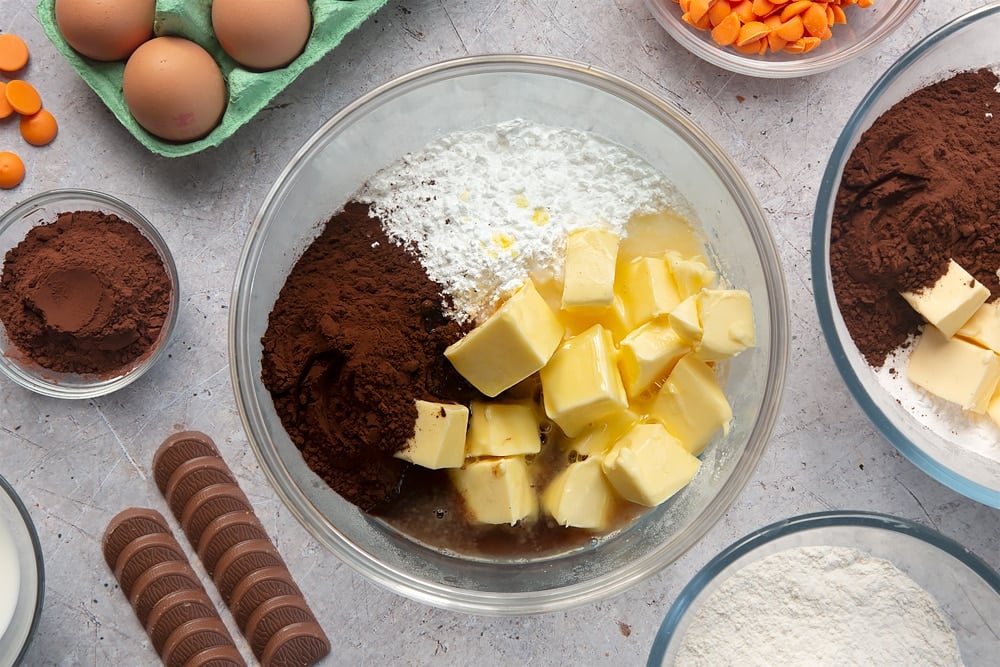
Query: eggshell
x,y
174,89
105,29
262,34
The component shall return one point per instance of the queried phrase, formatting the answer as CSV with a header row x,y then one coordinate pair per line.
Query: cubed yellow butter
x,y
954,369
598,437
684,319
690,274
648,354
654,234
983,328
580,496
951,301
581,384
503,429
691,405
438,436
510,345
589,269
726,322
496,491
647,288
648,465
613,318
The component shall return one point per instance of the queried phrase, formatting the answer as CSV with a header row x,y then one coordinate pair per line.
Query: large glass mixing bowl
x,y
403,116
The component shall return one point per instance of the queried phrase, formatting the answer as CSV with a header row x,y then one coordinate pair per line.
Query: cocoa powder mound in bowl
x,y
88,294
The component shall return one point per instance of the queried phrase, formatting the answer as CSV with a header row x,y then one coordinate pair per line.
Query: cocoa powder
x,y
87,294
920,188
355,336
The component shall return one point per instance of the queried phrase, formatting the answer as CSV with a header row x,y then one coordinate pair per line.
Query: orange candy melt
x,y
13,53
38,126
758,26
39,129
11,170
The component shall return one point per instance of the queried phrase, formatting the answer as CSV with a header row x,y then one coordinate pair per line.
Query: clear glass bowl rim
x,y
822,279
100,387
800,523
498,603
29,525
805,65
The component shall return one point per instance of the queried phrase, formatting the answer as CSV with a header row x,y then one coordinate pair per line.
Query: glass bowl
x,y
42,209
403,116
21,559
968,42
965,588
864,29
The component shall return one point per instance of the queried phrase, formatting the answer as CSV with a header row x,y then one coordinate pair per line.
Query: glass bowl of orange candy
x,y
779,38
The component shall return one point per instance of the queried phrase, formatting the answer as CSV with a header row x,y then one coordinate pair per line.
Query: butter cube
x,y
691,405
685,320
581,384
589,269
598,437
580,496
951,301
647,288
726,322
648,465
503,429
510,345
654,234
983,328
496,491
954,370
438,436
690,274
613,318
649,353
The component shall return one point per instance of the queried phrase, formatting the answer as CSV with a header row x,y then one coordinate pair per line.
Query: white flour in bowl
x,y
816,606
458,201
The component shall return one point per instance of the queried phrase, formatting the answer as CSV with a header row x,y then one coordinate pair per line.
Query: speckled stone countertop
x,y
76,464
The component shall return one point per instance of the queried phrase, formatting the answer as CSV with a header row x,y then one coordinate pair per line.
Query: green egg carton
x,y
249,91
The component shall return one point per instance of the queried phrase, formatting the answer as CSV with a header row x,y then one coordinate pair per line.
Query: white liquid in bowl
x,y
10,578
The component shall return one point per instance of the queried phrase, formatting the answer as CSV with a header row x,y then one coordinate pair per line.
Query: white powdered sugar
x,y
975,433
486,208
817,606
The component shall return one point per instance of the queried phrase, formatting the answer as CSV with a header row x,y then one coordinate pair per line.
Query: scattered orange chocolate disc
x,y
177,449
40,128
5,108
11,170
23,97
13,52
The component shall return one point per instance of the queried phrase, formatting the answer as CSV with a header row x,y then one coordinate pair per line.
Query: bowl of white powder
x,y
479,169
21,576
836,588
890,219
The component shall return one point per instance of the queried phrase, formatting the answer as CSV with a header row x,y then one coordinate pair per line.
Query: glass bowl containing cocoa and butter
x,y
523,349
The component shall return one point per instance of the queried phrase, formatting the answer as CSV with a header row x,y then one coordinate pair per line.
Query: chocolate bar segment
x,y
128,525
191,477
174,610
211,503
192,638
177,449
143,553
296,644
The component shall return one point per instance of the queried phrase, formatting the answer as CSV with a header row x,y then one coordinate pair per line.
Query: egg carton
x,y
249,91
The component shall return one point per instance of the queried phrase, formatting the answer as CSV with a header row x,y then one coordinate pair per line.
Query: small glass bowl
x,y
864,29
967,43
42,209
966,589
406,114
16,525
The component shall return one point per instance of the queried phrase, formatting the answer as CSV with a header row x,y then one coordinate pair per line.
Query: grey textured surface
x,y
76,464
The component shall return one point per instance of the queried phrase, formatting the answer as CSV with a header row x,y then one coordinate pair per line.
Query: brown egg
x,y
262,34
174,89
105,29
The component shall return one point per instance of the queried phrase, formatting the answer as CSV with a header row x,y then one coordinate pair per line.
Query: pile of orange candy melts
x,y
755,27
38,125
